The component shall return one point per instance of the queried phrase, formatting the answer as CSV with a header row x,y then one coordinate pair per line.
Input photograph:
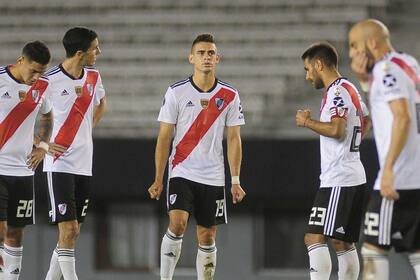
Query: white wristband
x,y
43,145
235,180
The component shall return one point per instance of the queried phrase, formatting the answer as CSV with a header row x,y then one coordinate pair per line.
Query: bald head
x,y
371,29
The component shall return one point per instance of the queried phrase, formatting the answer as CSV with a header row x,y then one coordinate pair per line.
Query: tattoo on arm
x,y
45,125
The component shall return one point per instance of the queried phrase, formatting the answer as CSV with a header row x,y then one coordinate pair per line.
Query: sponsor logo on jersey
x,y
389,80
6,95
172,198
190,104
219,103
22,95
78,90
35,95
62,208
90,89
64,92
338,101
204,103
340,230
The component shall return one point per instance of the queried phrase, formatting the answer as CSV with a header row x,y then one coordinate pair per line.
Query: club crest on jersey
x,y
172,198
62,208
78,90
219,103
204,103
22,95
90,89
35,95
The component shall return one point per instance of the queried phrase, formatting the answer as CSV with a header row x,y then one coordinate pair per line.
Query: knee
x,y
310,239
206,239
178,226
340,246
14,236
69,231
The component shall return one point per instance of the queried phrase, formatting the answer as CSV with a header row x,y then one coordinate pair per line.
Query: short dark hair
x,y
78,39
208,38
323,51
37,51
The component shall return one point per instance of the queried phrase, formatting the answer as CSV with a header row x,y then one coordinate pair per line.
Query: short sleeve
x,y
337,104
169,110
391,81
46,105
235,115
100,91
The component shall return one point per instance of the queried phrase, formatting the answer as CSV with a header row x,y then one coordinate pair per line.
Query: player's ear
x,y
318,65
20,59
191,58
218,57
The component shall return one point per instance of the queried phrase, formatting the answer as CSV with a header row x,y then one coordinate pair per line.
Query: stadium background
x,y
145,44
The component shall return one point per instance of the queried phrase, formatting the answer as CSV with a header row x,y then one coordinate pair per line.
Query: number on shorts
x,y
220,207
24,209
371,222
85,208
317,217
356,139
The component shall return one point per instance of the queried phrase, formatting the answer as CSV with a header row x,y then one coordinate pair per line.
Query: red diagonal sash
x,y
202,124
356,101
409,71
68,130
21,111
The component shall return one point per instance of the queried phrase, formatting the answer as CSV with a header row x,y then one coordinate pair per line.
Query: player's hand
x,y
387,185
238,193
155,190
35,158
55,149
302,116
359,63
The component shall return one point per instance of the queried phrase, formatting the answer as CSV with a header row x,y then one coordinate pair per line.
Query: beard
x,y
318,83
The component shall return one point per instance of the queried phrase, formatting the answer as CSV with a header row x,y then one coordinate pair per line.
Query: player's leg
x,y
377,237
415,262
179,202
63,211
207,252
210,210
348,260
4,199
319,256
347,230
19,214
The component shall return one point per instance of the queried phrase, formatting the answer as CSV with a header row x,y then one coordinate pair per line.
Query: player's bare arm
x,y
161,158
336,128
41,141
234,152
99,111
399,135
367,126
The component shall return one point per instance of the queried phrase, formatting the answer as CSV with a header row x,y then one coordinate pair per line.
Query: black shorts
x,y
390,223
69,196
207,203
337,213
17,200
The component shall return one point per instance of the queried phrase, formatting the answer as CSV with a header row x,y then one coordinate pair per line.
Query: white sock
x,y
54,272
348,265
170,250
319,261
415,262
67,263
12,258
206,262
375,265
1,255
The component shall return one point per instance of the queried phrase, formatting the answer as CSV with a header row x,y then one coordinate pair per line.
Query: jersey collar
x,y
199,89
69,75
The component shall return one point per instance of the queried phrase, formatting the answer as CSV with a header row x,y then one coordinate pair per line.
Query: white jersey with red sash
x,y
397,76
19,106
73,101
200,119
340,158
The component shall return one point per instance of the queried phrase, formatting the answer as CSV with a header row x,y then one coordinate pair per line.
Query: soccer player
x,y
78,101
337,210
198,109
23,93
393,213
